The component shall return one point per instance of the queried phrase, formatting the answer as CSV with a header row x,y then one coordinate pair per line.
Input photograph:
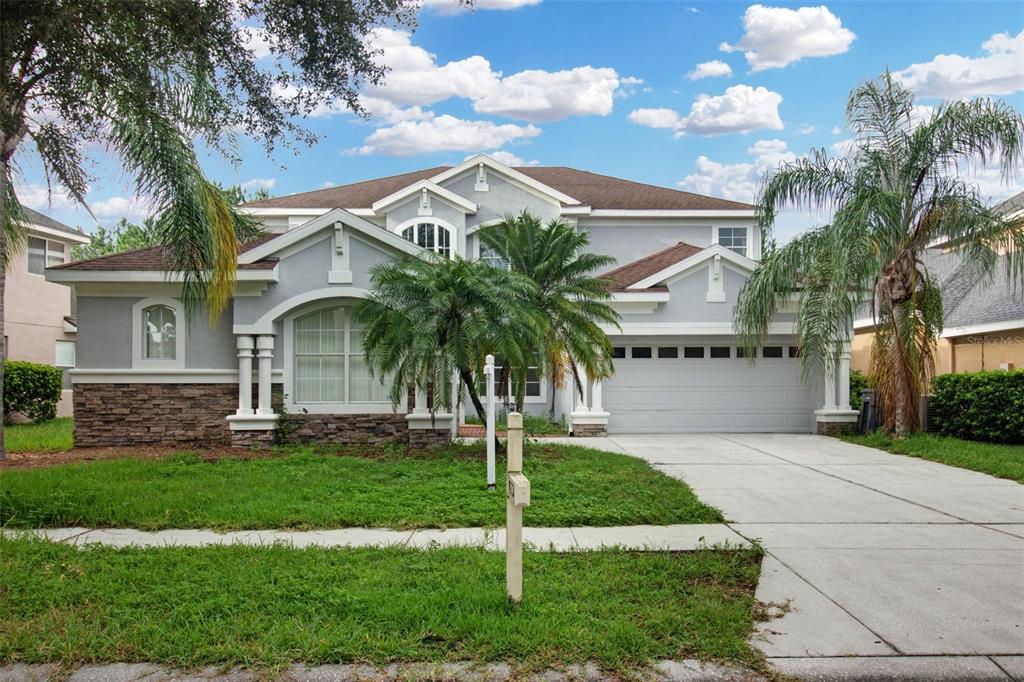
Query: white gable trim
x,y
510,173
741,263
670,213
327,221
148,276
265,323
466,205
57,235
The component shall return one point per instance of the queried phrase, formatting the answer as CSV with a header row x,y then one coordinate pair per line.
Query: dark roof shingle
x,y
631,273
152,258
590,189
36,218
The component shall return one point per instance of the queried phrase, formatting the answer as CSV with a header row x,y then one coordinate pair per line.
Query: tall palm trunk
x,y
4,169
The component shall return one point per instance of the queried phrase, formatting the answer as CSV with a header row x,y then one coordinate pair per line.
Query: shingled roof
x,y
36,218
590,189
629,274
151,258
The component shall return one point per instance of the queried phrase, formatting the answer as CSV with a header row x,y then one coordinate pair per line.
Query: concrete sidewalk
x,y
885,567
679,538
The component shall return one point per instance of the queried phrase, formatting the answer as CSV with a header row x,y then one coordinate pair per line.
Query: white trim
x,y
324,221
865,323
58,234
252,422
670,213
466,205
158,276
180,331
486,223
693,261
576,210
265,323
986,328
520,178
159,376
690,329
640,296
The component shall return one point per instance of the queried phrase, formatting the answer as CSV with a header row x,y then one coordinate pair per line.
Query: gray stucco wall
x,y
363,258
502,197
439,208
629,241
105,336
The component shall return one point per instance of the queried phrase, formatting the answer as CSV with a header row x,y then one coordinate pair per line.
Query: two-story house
x,y
39,324
146,375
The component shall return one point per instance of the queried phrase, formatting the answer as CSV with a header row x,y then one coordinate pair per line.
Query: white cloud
x,y
999,72
542,96
444,133
740,109
36,196
456,7
836,130
327,183
777,36
507,158
712,69
415,78
119,207
657,118
391,113
258,183
805,129
843,147
256,40
992,186
629,85
737,181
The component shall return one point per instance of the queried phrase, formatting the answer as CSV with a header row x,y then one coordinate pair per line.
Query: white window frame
x,y
139,360
384,407
46,254
746,230
453,234
531,399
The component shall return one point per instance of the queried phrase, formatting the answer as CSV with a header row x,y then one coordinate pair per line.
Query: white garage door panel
x,y
691,394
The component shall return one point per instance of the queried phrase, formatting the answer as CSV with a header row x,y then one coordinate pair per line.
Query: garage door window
x,y
794,351
721,352
618,352
742,352
771,352
641,352
693,352
668,352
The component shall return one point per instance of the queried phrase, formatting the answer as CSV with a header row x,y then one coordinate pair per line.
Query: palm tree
x,y
897,192
572,301
430,321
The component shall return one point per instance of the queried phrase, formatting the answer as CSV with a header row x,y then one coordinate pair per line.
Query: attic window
x,y
734,239
430,236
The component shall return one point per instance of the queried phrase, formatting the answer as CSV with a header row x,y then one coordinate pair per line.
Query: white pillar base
x,y
425,421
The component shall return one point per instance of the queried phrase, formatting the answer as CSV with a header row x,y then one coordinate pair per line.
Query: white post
x,y
244,344
517,496
265,354
584,394
420,404
830,389
489,380
596,397
844,378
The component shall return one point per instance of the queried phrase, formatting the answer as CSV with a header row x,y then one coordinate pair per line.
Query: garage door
x,y
688,387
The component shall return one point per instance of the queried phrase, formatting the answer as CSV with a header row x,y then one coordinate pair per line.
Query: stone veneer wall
x,y
589,430
110,415
835,428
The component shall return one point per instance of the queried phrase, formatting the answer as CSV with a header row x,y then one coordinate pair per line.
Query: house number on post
x,y
517,495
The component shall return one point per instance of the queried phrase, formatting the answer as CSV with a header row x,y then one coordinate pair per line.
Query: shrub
x,y
858,382
31,389
987,406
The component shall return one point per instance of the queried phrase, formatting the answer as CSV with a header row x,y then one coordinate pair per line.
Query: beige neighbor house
x,y
983,317
39,315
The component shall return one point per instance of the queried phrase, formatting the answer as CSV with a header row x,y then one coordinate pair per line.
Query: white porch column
x,y
420,406
244,343
596,397
265,355
830,389
584,405
844,378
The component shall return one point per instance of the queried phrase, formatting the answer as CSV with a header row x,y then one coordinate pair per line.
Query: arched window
x,y
431,236
159,333
330,365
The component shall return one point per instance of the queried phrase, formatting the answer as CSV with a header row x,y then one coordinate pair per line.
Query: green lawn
x,y
267,606
1004,461
308,488
532,425
51,436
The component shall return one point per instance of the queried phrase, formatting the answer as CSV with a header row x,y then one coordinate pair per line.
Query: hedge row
x,y
31,389
986,406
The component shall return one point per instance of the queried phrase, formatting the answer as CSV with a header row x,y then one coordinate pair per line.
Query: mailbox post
x,y
489,380
517,497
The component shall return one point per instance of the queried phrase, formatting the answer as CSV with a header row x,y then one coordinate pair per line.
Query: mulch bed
x,y
28,460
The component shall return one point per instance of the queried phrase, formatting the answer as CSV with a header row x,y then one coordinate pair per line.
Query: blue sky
x,y
613,88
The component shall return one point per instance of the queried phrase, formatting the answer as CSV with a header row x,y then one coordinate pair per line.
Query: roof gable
x,y
624,277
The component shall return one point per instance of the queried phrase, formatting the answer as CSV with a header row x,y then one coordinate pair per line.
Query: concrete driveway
x,y
915,569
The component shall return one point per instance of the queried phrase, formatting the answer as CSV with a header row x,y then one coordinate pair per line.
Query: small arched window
x,y
159,333
430,236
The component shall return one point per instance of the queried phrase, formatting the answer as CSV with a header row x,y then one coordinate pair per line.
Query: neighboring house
x,y
39,323
983,317
145,374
